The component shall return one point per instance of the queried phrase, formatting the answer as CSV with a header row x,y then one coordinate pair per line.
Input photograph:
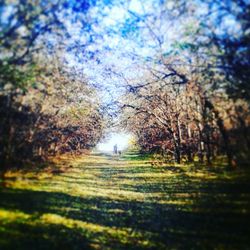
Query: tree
x,y
45,108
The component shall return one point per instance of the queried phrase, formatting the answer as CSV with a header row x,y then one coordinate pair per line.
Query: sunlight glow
x,y
121,139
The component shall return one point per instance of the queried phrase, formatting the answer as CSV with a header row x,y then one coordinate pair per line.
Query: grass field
x,y
104,202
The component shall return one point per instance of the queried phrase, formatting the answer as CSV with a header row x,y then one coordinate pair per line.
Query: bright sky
x,y
121,139
115,36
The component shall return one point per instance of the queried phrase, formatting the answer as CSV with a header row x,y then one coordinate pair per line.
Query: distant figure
x,y
119,152
115,149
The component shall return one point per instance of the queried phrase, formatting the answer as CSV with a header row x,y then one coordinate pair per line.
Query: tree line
x,y
192,101
47,106
183,67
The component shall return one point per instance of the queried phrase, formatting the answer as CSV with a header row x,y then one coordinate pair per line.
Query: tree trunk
x,y
188,148
177,154
223,131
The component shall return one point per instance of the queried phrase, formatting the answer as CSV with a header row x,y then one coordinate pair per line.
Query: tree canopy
x,y
71,69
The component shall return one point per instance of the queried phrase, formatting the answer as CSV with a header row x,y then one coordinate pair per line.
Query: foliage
x,y
45,109
184,74
188,95
48,120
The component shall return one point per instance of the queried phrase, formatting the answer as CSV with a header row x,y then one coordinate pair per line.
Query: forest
x,y
173,75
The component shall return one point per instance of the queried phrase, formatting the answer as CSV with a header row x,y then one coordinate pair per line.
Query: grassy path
x,y
102,202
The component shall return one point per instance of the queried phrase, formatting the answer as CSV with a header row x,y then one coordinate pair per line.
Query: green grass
x,y
103,202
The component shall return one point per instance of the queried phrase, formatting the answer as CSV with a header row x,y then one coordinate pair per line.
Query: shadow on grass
x,y
210,221
20,235
136,156
126,206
